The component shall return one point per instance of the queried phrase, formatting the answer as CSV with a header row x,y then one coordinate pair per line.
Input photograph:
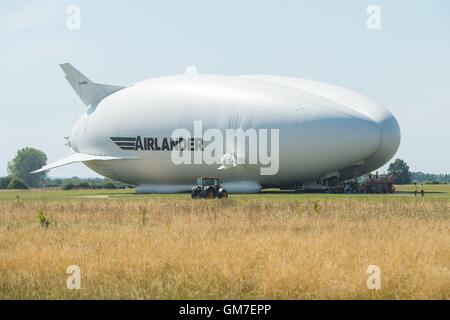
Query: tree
x,y
68,186
17,184
4,182
400,170
109,185
26,161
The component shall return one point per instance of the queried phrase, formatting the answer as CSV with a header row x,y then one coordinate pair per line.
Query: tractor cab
x,y
208,181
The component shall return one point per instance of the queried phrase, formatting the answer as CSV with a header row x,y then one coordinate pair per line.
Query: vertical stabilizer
x,y
88,91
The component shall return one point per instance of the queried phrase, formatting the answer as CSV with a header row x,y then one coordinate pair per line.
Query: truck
x,y
367,184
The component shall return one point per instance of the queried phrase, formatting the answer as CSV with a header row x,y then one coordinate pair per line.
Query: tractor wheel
x,y
223,193
195,193
209,194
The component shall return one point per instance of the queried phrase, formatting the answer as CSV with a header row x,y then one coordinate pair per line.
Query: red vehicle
x,y
378,184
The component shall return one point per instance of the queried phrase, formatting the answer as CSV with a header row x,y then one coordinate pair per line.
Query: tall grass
x,y
231,249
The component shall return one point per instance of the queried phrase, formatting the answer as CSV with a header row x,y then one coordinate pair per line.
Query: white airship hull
x,y
324,131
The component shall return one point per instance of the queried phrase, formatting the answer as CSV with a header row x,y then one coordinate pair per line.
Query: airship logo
x,y
152,144
124,143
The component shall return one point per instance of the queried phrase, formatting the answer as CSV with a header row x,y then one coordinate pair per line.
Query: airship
x,y
324,134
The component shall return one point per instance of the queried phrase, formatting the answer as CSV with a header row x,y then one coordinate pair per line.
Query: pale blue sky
x,y
404,66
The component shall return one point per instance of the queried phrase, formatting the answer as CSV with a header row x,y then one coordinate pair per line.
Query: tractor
x,y
208,188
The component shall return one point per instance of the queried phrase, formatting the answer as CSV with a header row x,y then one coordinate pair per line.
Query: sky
x,y
403,65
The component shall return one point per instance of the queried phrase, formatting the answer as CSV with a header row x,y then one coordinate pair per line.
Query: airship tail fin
x,y
77,157
88,91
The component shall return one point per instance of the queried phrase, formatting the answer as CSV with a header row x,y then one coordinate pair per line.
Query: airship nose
x,y
390,140
339,135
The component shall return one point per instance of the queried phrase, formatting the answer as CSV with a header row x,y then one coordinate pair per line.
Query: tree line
x,y
430,178
400,170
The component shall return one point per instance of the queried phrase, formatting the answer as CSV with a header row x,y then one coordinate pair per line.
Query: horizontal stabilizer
x,y
77,157
88,91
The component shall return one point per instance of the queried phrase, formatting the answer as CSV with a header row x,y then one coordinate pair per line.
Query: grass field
x,y
265,246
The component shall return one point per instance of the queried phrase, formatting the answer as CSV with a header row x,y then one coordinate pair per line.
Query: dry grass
x,y
158,248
